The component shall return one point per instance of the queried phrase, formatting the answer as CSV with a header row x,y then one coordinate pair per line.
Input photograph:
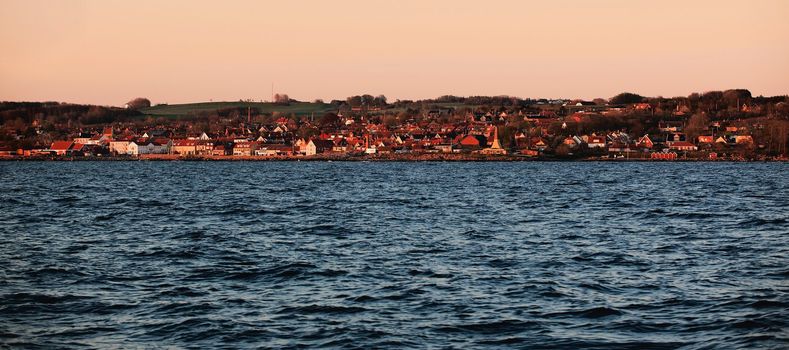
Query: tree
x,y
329,120
697,124
137,103
354,101
379,100
390,120
281,98
736,97
626,98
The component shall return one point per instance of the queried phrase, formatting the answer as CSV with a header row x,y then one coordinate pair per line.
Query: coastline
x,y
371,158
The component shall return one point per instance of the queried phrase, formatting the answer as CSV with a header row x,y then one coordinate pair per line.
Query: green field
x,y
299,108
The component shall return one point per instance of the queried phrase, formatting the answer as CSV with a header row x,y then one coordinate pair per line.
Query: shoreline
x,y
367,158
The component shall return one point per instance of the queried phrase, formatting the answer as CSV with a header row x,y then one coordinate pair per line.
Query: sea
x,y
400,255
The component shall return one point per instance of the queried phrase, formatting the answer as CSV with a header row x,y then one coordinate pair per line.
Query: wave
x,y
493,327
320,309
595,312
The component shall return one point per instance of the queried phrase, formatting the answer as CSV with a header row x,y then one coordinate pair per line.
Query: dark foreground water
x,y
394,255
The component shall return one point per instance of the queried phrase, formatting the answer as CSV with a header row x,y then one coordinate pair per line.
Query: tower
x,y
496,144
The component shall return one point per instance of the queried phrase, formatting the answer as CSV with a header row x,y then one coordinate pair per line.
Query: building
x,y
221,150
120,146
681,146
318,146
743,139
706,139
272,150
149,146
473,141
184,147
645,142
596,142
245,148
495,148
61,148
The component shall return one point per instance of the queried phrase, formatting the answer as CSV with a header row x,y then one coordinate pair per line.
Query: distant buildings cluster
x,y
666,129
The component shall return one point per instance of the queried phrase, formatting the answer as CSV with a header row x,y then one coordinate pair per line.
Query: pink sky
x,y
108,51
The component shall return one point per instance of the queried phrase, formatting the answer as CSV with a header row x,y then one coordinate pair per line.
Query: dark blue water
x,y
394,255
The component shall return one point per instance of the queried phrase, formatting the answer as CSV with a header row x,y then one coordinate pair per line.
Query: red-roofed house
x,y
61,147
596,142
645,142
245,148
184,147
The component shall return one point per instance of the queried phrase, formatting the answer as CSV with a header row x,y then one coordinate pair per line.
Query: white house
x,y
318,146
119,147
148,147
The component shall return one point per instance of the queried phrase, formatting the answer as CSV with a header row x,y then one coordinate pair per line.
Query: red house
x,y
61,147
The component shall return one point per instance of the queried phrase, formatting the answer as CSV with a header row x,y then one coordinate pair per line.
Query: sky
x,y
178,51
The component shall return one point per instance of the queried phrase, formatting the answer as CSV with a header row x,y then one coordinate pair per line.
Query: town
x,y
715,125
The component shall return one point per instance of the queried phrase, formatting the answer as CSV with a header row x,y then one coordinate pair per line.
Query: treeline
x,y
25,113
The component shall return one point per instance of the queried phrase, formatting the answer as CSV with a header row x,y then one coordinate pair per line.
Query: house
x,y
120,146
573,141
473,141
681,146
743,139
706,139
537,143
444,148
83,138
245,148
645,142
184,147
340,145
618,147
221,150
98,139
300,145
595,142
271,150
204,147
203,136
149,146
61,147
77,148
318,146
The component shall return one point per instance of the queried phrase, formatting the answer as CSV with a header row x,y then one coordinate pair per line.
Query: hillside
x,y
299,108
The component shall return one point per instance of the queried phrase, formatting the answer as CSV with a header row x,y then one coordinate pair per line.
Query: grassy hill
x,y
299,108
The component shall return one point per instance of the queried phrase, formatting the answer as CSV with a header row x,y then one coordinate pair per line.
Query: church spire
x,y
496,144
